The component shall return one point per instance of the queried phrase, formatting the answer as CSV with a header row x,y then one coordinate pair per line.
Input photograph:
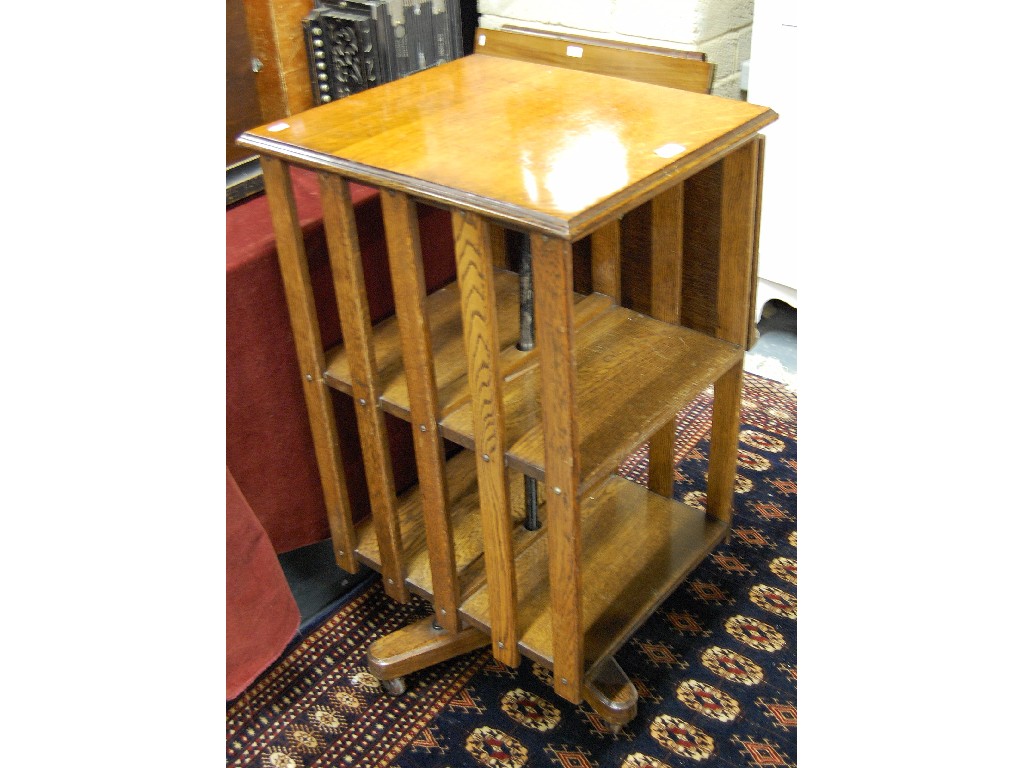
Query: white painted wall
x,y
719,28
723,29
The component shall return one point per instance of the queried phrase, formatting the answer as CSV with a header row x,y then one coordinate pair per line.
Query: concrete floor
x,y
774,354
319,585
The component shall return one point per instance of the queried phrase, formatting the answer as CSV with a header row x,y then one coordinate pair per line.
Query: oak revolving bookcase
x,y
559,156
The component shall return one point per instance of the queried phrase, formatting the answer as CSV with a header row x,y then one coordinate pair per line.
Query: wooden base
x,y
419,646
612,695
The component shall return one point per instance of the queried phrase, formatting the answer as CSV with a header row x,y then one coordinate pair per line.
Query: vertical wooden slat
x,y
499,249
606,255
667,255
353,308
735,271
661,475
736,244
725,426
666,305
401,227
752,315
291,254
475,271
552,264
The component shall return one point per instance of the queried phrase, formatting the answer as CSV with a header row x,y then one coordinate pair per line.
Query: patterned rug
x,y
715,666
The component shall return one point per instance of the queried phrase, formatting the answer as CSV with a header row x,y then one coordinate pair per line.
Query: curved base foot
x,y
612,695
418,646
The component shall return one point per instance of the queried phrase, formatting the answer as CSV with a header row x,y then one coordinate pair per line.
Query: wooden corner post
x,y
298,290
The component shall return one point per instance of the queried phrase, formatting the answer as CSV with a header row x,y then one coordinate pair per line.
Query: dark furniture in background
x,y
268,76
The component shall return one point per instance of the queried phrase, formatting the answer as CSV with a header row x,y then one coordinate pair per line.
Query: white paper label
x,y
574,50
669,150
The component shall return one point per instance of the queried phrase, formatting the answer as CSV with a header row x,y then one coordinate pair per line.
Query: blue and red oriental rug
x,y
715,666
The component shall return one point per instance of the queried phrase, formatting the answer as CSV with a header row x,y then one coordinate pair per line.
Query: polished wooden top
x,y
531,145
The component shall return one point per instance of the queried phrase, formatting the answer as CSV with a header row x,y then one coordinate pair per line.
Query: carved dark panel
x,y
353,45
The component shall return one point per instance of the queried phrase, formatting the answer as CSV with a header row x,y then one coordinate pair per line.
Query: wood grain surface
x,y
547,154
291,252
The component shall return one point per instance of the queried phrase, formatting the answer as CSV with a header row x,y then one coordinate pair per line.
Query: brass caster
x,y
395,687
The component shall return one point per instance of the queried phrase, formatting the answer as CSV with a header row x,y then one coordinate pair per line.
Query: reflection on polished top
x,y
549,148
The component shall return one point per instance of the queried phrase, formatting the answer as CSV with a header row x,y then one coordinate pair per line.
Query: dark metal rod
x,y
532,522
521,243
526,316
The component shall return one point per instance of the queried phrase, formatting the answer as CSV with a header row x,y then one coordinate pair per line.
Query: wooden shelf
x,y
628,364
449,351
464,507
637,548
634,374
443,309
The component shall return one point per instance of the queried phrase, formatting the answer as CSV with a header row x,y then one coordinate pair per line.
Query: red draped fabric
x,y
269,445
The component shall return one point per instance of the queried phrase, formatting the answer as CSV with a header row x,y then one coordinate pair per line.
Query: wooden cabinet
x,y
560,156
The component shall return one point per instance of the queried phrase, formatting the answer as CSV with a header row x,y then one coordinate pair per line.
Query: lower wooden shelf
x,y
467,540
637,548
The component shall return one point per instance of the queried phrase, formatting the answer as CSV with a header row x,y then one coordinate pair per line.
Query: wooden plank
x,y
640,369
740,177
661,465
736,246
291,254
553,293
752,315
417,646
725,427
275,32
666,305
638,548
659,66
667,255
606,260
411,136
475,271
499,250
353,308
401,226
623,44
467,538
447,345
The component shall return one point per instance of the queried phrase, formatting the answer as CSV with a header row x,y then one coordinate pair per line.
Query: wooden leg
x,y
661,474
354,312
406,262
480,332
612,695
555,342
291,253
725,426
419,646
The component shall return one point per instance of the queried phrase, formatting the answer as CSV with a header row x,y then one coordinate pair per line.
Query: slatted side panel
x,y
475,270
353,308
309,347
405,258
